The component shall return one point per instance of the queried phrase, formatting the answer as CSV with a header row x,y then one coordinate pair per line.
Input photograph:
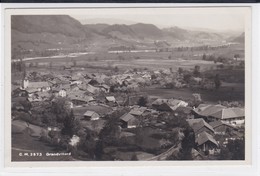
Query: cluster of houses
x,y
206,120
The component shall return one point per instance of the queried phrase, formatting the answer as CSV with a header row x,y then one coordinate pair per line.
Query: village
x,y
110,116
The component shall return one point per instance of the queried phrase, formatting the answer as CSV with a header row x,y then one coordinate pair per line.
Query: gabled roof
x,y
111,99
138,111
197,124
174,102
229,113
159,101
38,84
203,137
89,113
218,123
207,110
126,117
91,88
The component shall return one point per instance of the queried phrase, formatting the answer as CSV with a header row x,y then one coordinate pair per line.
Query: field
x,y
232,88
150,60
24,143
225,93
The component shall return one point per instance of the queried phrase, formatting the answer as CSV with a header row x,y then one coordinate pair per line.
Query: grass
x,y
24,143
225,93
152,60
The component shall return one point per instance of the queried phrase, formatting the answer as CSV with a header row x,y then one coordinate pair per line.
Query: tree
x,y
180,70
110,133
142,101
234,150
64,115
196,71
187,77
217,82
69,125
116,69
204,57
236,56
187,144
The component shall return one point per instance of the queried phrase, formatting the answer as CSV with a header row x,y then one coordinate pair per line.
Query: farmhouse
x,y
40,86
91,115
210,113
235,116
168,104
138,111
205,142
199,125
204,111
129,121
222,128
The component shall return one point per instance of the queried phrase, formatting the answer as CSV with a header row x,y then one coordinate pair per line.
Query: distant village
x,y
108,117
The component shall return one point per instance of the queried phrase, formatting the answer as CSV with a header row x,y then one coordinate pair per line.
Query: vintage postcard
x,y
156,85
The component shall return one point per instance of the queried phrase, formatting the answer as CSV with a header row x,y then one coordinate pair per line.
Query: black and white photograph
x,y
129,84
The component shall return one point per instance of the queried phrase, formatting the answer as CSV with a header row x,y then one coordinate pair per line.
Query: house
x,y
62,93
138,111
206,142
25,83
91,89
91,115
222,128
168,104
110,99
104,88
204,111
40,86
199,125
129,121
211,113
77,100
235,116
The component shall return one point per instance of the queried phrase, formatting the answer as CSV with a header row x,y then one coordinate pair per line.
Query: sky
x,y
217,19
